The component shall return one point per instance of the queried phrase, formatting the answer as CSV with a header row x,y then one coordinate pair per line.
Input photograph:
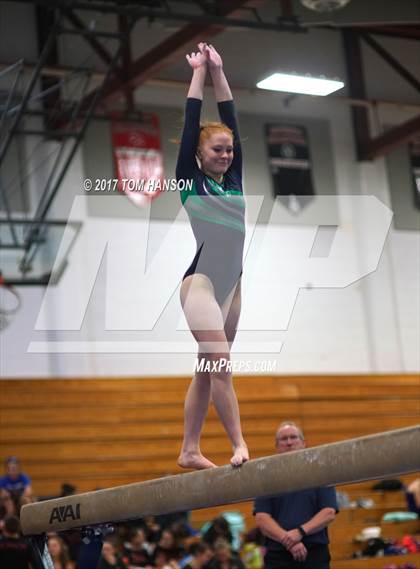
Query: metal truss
x,y
368,147
190,11
67,127
203,19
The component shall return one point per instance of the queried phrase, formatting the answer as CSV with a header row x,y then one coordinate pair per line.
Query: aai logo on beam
x,y
64,513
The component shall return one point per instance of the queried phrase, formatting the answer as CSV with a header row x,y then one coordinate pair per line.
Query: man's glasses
x,y
287,438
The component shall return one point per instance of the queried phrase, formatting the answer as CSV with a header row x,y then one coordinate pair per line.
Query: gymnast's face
x,y
216,154
288,438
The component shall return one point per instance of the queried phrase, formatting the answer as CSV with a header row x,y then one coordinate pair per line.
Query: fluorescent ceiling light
x,y
300,84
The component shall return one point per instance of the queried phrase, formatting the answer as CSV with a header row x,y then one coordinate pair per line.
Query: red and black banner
x,y
138,157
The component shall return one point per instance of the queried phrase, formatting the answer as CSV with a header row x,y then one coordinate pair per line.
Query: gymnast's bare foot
x,y
194,460
240,455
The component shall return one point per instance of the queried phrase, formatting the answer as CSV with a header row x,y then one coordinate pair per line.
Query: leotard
x,y
216,211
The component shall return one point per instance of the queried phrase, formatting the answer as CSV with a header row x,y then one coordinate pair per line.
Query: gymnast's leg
x,y
205,319
199,291
231,311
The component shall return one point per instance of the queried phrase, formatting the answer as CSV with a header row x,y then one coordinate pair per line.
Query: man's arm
x,y
269,527
318,522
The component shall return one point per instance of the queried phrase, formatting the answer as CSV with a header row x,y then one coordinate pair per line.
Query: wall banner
x,y
414,149
290,163
138,158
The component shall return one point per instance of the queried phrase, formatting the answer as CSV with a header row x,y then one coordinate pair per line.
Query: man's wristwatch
x,y
301,531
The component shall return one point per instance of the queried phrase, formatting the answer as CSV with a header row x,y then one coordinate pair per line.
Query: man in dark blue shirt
x,y
295,523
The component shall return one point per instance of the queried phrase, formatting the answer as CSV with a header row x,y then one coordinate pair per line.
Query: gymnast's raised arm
x,y
224,100
186,163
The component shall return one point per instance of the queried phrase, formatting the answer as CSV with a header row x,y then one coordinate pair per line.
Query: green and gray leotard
x,y
216,211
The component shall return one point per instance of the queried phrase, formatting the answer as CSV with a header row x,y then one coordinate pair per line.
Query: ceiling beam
x,y
385,143
403,31
168,52
63,71
392,61
357,88
123,26
97,47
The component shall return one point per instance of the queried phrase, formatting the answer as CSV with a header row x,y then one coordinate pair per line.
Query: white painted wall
x,y
370,326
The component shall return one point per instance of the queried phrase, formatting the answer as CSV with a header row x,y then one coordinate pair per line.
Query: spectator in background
x,y
252,551
59,553
184,533
137,550
295,523
67,489
169,544
166,521
15,483
201,555
153,529
224,558
8,505
219,528
14,551
163,560
110,559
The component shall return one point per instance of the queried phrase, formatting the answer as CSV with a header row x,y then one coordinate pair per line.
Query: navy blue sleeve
x,y
228,117
327,498
187,165
263,505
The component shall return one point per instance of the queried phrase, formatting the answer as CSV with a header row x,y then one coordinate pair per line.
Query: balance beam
x,y
383,454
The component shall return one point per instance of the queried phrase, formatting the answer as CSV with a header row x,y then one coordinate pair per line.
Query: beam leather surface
x,y
389,453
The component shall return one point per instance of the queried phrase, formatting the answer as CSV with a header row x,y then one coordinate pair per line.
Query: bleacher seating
x,y
97,433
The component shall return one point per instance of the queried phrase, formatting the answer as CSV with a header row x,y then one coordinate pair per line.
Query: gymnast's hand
x,y
214,60
198,59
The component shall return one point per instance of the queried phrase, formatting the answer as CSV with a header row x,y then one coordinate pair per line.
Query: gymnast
x,y
211,287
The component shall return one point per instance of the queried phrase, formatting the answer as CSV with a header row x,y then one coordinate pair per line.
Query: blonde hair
x,y
207,129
